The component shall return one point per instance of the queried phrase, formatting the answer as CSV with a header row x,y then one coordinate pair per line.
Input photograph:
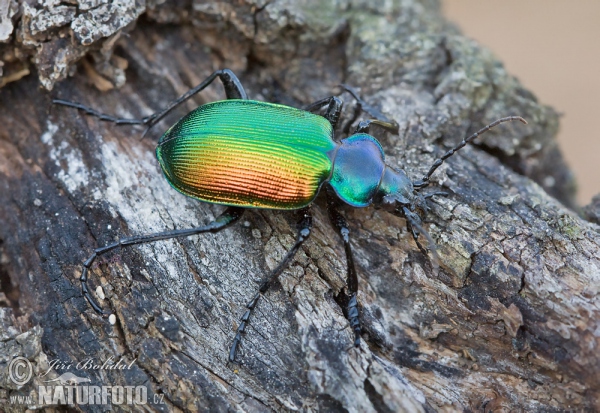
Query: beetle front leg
x,y
233,90
304,227
348,301
361,105
414,225
365,126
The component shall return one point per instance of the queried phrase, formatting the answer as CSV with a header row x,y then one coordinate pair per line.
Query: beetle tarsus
x,y
413,223
88,296
244,321
230,215
439,193
304,227
99,115
353,318
364,106
233,90
365,126
340,224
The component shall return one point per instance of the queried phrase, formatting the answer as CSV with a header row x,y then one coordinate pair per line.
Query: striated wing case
x,y
248,153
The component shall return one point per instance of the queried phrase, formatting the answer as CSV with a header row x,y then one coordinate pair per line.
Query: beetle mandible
x,y
249,154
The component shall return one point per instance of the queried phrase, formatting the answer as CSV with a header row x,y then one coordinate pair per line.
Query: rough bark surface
x,y
510,320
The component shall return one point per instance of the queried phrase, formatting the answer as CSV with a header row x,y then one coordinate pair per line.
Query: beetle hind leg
x,y
233,90
304,227
230,215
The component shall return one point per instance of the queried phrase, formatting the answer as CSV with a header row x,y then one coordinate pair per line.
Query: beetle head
x,y
402,197
395,190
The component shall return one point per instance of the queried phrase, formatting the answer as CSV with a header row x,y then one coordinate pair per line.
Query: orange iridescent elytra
x,y
248,153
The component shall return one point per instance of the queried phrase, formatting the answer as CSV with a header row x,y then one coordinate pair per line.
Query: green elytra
x,y
264,155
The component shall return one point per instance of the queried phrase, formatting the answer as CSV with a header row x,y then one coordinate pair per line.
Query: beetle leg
x,y
361,105
365,125
439,193
233,90
349,300
304,227
334,109
413,224
415,235
230,215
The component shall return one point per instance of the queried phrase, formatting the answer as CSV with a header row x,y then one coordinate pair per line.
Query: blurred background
x,y
553,47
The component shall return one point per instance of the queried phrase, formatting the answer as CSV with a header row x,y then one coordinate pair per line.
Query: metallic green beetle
x,y
263,155
249,154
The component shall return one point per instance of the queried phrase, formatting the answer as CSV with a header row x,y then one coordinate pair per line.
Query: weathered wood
x,y
509,320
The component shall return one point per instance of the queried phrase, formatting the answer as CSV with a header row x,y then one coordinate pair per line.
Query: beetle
x,y
244,154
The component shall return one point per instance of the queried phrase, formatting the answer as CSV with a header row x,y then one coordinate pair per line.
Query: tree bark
x,y
509,321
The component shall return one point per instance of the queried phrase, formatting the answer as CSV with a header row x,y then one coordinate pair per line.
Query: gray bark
x,y
510,320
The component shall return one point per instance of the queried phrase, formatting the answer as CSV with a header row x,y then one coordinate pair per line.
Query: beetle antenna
x,y
425,181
